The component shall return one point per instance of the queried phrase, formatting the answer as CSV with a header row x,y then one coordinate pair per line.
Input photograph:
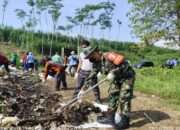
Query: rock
x,y
39,108
39,127
9,121
6,77
2,71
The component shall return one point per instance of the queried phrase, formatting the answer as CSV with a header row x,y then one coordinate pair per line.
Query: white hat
x,y
72,52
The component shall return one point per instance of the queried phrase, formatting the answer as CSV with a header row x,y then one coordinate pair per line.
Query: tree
x,y
54,10
99,14
4,6
32,21
41,6
21,14
151,17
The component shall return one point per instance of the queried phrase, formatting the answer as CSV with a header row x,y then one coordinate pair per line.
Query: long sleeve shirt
x,y
3,59
52,67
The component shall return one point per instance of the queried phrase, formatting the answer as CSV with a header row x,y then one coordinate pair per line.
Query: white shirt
x,y
85,63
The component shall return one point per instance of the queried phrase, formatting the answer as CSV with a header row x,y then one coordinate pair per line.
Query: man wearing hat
x,y
85,70
121,78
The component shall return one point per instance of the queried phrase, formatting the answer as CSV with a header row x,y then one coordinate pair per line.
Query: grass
x,y
161,82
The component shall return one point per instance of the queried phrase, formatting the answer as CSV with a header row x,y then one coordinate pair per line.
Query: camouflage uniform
x,y
121,89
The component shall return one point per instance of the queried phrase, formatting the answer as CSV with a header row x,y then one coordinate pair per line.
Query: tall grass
x,y
161,82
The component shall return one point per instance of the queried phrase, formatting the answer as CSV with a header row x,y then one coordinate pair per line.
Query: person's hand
x,y
76,75
110,76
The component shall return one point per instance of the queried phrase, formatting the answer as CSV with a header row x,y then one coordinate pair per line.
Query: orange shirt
x,y
52,67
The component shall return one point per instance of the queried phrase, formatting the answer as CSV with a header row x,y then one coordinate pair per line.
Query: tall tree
x,y
155,19
55,12
32,21
41,6
4,6
99,14
21,14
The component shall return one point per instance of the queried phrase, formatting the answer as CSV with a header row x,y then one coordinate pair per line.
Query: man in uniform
x,y
121,78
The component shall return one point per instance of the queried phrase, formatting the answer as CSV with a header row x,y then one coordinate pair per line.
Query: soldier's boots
x,y
106,119
123,124
109,119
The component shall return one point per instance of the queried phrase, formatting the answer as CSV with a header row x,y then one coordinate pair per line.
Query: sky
x,y
121,9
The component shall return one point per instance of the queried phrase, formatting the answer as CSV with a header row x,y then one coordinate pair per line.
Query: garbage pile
x,y
25,103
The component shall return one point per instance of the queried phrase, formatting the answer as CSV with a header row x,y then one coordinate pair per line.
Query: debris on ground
x,y
24,102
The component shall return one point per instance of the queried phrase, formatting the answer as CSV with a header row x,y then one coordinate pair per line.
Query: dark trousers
x,y
82,76
61,78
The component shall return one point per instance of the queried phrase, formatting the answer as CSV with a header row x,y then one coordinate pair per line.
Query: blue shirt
x,y
30,58
73,60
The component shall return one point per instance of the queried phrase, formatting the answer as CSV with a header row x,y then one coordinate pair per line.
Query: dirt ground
x,y
148,112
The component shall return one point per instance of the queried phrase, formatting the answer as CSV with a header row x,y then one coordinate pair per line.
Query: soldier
x,y
121,78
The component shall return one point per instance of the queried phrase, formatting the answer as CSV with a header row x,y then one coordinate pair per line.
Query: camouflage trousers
x,y
120,97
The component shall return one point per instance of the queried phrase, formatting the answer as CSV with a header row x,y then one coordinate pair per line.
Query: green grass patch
x,y
164,83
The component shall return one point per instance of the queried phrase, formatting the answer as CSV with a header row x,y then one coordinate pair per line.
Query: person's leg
x,y
6,67
58,82
79,84
63,79
96,90
80,81
124,107
113,104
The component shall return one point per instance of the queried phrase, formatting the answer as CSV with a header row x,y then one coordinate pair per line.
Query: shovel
x,y
77,98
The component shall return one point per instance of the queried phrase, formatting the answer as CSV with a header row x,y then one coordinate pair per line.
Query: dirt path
x,y
164,118
158,116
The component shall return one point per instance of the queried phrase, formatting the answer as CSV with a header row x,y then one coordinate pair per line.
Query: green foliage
x,y
132,51
94,14
154,19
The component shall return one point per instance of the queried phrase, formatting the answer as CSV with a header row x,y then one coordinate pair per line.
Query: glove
x,y
110,76
76,75
99,75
